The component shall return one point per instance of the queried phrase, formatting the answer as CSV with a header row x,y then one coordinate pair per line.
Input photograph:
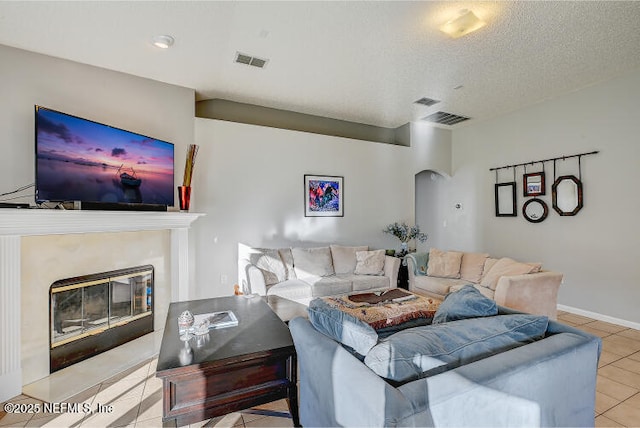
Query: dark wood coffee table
x,y
232,369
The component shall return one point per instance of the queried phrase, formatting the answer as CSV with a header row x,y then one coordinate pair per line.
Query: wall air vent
x,y
427,101
444,118
250,60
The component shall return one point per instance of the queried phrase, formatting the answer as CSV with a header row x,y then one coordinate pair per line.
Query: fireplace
x,y
38,247
94,313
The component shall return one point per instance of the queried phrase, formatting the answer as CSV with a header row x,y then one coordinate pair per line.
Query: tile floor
x,y
135,396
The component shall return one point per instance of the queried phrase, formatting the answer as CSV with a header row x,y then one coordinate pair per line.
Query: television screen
x,y
81,160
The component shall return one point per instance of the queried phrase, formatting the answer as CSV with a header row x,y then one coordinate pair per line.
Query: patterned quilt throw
x,y
385,309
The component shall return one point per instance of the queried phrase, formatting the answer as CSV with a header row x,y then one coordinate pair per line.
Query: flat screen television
x,y
100,166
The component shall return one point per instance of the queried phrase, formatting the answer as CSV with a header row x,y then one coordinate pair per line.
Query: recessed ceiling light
x,y
465,23
163,42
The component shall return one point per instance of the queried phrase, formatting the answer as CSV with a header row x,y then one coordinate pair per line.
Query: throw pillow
x,y
472,266
287,259
506,267
467,302
269,262
409,353
420,262
344,258
444,264
488,264
370,262
342,327
312,262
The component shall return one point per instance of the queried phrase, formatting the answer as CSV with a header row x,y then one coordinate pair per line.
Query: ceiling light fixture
x,y
465,23
163,42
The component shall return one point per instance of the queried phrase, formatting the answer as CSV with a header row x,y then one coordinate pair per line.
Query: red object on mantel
x,y
184,196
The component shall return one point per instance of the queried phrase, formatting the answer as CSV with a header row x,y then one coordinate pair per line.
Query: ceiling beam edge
x,y
284,119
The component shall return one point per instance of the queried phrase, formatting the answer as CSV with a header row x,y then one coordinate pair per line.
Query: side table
x,y
403,275
228,369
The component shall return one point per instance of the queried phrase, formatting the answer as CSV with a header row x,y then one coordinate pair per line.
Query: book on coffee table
x,y
393,295
220,319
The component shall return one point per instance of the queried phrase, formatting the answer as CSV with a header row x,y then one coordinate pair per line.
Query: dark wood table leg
x,y
292,391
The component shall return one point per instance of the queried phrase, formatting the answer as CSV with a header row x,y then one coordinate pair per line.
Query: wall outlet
x,y
223,279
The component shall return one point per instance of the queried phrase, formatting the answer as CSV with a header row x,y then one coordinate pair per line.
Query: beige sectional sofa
x,y
302,274
521,286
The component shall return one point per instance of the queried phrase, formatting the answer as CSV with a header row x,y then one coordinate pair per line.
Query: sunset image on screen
x,y
81,160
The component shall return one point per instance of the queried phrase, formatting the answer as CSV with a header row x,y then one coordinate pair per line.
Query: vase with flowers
x,y
405,233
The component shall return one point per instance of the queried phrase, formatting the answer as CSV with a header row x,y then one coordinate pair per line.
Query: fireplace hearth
x,y
94,313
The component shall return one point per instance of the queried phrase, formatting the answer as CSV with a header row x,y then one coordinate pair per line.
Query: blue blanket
x,y
420,262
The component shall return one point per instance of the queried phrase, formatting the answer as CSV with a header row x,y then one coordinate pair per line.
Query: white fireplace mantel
x,y
16,223
27,222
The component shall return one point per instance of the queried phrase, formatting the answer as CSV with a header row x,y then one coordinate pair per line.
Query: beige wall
x,y
249,181
140,105
597,250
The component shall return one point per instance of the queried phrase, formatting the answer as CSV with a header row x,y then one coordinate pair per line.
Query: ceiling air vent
x,y
445,118
250,60
427,101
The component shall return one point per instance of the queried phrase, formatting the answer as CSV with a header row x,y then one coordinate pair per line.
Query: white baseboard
x,y
600,317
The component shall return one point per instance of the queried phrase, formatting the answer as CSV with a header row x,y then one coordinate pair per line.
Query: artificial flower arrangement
x,y
405,233
190,162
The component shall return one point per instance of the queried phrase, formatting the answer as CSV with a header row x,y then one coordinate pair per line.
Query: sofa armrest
x,y
391,268
336,389
549,382
254,277
534,293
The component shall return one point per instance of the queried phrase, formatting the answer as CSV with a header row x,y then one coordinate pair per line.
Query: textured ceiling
x,y
360,61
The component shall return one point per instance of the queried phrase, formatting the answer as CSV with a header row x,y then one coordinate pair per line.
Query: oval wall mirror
x,y
567,195
535,210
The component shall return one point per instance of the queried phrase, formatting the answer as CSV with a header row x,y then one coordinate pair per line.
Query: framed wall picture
x,y
533,184
506,199
324,196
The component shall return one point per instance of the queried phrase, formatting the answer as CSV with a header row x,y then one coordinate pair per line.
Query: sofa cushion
x,y
472,266
329,286
312,262
292,289
444,264
409,353
467,302
268,260
344,258
367,282
370,262
342,327
438,286
506,267
486,292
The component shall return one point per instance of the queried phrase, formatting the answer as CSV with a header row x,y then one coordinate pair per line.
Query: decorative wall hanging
x,y
505,196
535,210
323,196
567,190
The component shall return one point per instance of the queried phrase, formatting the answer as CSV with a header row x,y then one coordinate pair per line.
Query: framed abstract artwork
x,y
324,196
